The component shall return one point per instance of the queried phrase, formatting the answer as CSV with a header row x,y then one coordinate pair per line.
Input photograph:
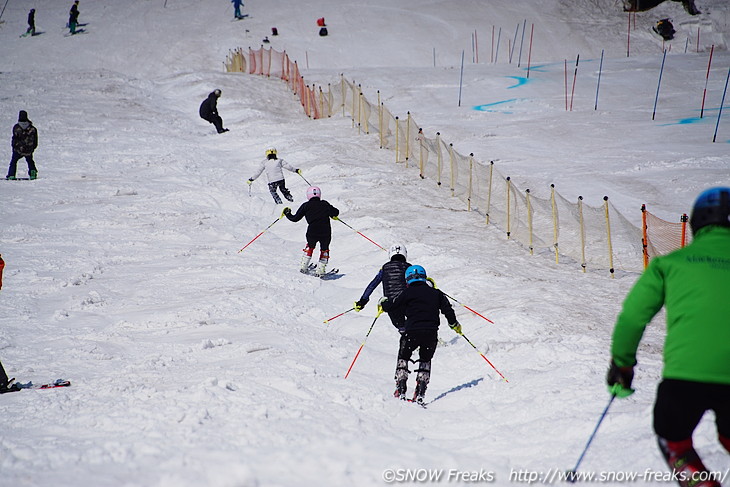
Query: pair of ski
x,y
329,275
16,386
405,399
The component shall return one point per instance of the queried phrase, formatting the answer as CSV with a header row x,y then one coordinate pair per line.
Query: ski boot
x,y
686,465
324,257
306,257
33,174
401,387
401,379
287,195
420,393
10,178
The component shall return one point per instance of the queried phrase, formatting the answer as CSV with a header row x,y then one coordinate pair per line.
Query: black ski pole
x,y
299,171
572,473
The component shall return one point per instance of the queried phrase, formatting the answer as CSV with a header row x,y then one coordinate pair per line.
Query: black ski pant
x,y
680,404
217,121
14,163
281,186
423,340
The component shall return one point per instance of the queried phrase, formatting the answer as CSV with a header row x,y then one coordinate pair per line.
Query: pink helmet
x,y
314,192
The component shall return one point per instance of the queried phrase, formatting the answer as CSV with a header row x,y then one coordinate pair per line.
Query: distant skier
x,y
237,4
2,266
692,283
24,142
421,305
273,167
73,17
665,29
317,212
31,23
209,111
392,276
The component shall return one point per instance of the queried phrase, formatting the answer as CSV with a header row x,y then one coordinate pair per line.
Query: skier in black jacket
x,y
392,275
317,212
209,111
421,305
25,141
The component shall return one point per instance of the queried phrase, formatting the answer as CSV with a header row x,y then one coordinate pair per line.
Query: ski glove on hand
x,y
619,380
335,218
287,211
456,326
298,171
359,305
249,182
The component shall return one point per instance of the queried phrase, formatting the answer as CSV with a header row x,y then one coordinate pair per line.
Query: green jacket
x,y
694,285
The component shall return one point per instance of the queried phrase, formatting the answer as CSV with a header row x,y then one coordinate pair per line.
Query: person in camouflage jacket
x,y
24,142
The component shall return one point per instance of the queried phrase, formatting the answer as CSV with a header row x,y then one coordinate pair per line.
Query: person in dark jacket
x,y
209,111
421,305
73,17
392,276
317,212
237,4
31,23
692,283
24,142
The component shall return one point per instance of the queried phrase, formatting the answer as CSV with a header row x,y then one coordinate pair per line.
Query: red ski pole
x,y
485,358
380,311
359,233
337,316
262,232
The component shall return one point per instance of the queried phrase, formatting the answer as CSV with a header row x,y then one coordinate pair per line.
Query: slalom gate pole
x,y
363,343
461,75
305,179
529,51
485,358
598,84
262,232
724,92
707,78
575,76
467,307
363,236
661,70
572,473
337,316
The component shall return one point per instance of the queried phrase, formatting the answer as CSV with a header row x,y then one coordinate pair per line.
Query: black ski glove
x,y
619,380
361,304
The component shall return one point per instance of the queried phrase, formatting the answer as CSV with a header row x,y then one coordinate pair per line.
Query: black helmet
x,y
712,207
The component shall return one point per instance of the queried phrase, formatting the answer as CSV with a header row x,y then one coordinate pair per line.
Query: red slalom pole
x,y
337,316
707,78
262,232
485,358
359,233
380,311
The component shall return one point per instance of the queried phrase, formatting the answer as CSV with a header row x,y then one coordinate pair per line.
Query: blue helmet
x,y
712,207
415,273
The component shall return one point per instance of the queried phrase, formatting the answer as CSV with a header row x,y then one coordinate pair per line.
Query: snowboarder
x,y
31,23
209,111
273,167
392,275
237,4
421,304
665,29
317,213
24,142
73,17
692,284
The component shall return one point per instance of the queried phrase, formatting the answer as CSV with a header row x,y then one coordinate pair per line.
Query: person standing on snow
x,y
31,23
421,304
73,17
2,266
692,283
237,4
392,276
209,111
275,175
317,212
24,142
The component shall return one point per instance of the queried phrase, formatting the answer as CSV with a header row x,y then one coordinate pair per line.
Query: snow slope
x,y
193,364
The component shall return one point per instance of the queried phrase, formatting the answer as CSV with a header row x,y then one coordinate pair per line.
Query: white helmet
x,y
398,249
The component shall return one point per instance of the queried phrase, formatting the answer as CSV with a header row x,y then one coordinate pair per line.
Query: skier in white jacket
x,y
275,175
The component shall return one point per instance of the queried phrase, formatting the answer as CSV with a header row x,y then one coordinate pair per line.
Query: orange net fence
x,y
662,237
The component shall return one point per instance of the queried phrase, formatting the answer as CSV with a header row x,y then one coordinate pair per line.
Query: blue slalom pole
x,y
659,84
598,85
714,138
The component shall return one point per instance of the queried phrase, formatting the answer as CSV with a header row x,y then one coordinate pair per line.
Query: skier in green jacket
x,y
693,283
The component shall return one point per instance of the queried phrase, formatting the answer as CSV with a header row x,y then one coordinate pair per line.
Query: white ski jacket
x,y
273,168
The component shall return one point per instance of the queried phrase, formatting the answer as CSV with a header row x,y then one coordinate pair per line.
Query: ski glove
x,y
619,380
456,326
298,171
287,211
249,182
359,305
335,218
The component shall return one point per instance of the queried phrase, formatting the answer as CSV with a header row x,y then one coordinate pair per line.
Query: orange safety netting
x,y
662,237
